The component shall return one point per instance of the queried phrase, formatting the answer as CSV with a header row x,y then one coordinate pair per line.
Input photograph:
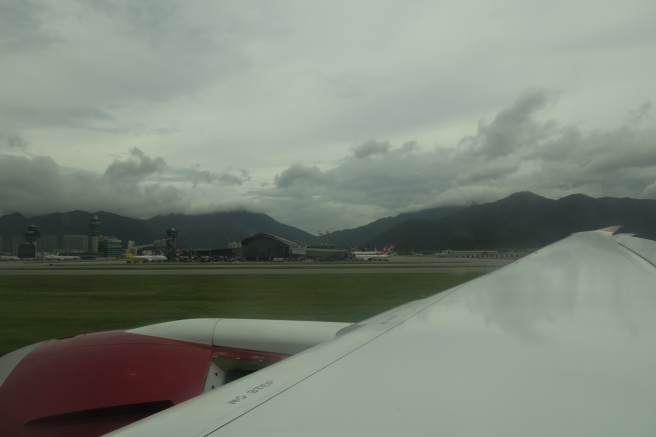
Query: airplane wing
x,y
561,342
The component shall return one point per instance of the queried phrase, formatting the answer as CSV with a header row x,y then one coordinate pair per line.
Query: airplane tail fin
x,y
128,254
384,251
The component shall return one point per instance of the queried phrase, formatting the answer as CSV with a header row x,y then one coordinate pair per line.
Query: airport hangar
x,y
267,247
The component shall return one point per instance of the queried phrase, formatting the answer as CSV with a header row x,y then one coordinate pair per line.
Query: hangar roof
x,y
289,243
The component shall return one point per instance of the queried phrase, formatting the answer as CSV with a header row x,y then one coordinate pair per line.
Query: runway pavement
x,y
397,264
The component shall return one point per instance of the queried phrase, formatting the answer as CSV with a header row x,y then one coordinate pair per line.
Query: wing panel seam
x,y
446,294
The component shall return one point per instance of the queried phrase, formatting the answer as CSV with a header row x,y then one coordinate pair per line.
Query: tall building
x,y
47,243
76,243
14,248
110,247
16,240
94,227
28,248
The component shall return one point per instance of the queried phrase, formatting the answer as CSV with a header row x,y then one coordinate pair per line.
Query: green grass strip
x,y
36,308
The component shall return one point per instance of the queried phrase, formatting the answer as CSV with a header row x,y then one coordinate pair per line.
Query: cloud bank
x,y
321,118
517,150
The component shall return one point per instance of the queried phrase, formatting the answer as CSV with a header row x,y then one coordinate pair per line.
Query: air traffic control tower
x,y
28,248
95,233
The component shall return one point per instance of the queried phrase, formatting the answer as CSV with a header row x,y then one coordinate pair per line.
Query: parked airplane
x,y
383,255
372,252
63,257
144,258
4,257
560,342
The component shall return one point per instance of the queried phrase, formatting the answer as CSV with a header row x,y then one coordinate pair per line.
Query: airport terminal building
x,y
267,247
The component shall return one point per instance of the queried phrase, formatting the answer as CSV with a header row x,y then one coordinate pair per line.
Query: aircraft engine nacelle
x,y
92,384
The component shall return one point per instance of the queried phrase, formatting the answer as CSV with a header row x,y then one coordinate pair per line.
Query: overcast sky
x,y
324,115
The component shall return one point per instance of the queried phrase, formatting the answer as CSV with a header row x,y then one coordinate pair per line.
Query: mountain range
x,y
523,221
520,221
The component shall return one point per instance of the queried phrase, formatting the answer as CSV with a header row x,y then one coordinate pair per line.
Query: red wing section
x,y
92,384
611,229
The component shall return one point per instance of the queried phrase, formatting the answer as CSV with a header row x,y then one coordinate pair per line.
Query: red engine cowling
x,y
89,385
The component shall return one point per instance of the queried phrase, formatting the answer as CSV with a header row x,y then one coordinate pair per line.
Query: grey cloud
x,y
356,189
396,179
371,148
349,87
38,185
547,159
618,144
486,172
228,78
512,128
188,48
55,115
12,168
22,27
13,142
557,162
165,131
117,55
642,113
298,174
410,146
155,21
469,194
201,177
230,178
135,168
599,152
559,148
649,192
618,162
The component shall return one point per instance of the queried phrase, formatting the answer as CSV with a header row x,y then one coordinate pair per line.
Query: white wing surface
x,y
561,342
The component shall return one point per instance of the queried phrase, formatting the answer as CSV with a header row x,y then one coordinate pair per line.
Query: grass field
x,y
237,266
35,308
